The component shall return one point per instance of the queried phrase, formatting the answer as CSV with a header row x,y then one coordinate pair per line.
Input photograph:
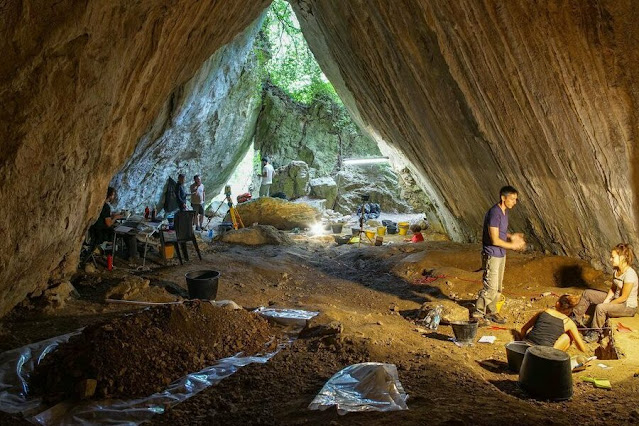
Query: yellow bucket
x,y
500,303
403,228
370,234
381,230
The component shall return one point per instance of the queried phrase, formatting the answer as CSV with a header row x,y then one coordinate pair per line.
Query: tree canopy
x,y
287,60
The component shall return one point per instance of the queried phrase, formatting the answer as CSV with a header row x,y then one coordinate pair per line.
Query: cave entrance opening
x,y
306,132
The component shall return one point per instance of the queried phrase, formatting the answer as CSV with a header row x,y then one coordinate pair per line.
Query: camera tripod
x,y
233,214
361,231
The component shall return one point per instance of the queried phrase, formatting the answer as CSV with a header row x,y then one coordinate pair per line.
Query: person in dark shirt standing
x,y
495,241
180,193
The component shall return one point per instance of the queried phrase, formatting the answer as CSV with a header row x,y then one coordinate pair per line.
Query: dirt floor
x,y
374,292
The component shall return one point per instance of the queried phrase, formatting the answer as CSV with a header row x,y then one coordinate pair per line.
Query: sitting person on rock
x,y
621,298
553,327
417,234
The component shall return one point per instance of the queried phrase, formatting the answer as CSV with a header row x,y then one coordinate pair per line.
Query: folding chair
x,y
89,245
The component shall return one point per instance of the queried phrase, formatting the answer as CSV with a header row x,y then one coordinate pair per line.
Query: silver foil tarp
x,y
17,364
369,386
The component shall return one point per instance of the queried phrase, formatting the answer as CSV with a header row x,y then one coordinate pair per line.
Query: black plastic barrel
x,y
202,284
545,374
515,352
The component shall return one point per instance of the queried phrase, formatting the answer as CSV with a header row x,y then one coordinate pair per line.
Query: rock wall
x,y
288,131
80,83
319,135
205,127
478,94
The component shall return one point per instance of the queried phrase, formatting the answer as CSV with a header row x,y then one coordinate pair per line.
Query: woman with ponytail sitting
x,y
620,300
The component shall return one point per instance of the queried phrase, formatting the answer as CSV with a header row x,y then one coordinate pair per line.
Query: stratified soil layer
x,y
137,355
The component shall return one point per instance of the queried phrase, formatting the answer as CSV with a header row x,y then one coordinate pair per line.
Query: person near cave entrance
x,y
197,201
267,177
495,241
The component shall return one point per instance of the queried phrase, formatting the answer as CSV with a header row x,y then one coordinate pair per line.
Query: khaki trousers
x,y
602,310
492,284
265,189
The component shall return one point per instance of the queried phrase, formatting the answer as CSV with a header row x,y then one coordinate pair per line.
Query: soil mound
x,y
137,355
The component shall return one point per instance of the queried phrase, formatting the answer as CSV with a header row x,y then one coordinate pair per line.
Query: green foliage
x,y
288,62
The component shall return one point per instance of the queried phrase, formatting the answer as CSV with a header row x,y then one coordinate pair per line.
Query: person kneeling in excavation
x,y
553,327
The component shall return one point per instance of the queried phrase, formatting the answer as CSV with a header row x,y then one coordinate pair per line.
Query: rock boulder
x,y
451,311
256,236
292,180
326,188
377,181
279,213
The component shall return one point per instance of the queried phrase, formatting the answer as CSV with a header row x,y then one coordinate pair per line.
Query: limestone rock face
x,y
287,131
292,180
479,94
377,181
326,188
279,213
80,83
204,128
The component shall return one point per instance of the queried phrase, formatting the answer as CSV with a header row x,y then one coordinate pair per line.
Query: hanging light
x,y
360,161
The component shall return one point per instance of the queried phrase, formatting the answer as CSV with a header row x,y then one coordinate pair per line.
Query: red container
x,y
146,212
110,262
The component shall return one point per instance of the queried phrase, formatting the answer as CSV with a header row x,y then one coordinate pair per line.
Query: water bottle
x,y
210,233
431,321
109,262
153,215
146,212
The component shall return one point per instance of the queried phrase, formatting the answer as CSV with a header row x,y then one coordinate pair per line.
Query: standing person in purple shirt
x,y
496,240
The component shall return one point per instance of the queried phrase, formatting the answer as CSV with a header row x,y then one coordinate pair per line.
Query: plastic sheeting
x,y
17,364
370,386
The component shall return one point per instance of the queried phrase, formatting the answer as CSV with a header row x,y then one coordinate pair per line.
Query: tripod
x,y
235,216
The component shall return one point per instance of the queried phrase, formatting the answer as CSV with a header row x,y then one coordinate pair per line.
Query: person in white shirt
x,y
197,201
267,177
620,300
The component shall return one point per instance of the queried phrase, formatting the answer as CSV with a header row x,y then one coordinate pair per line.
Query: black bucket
x,y
545,374
515,352
337,228
202,284
465,331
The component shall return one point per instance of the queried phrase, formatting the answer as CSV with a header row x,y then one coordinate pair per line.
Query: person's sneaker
x,y
496,318
591,337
